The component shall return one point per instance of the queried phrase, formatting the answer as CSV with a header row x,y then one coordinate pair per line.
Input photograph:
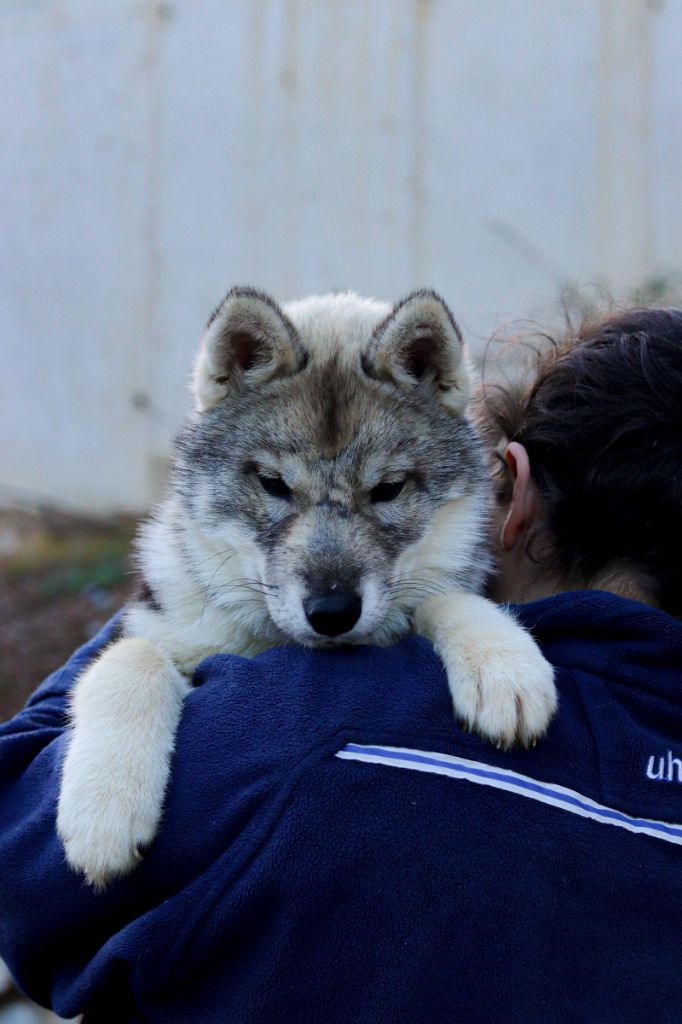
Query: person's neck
x,y
625,582
521,581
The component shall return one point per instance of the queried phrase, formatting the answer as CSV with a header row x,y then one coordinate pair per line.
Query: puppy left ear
x,y
419,343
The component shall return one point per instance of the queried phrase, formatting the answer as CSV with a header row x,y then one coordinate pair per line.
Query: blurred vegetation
x,y
61,578
659,290
509,356
66,565
578,300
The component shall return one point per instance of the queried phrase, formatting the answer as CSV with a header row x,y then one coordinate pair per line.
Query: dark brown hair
x,y
602,423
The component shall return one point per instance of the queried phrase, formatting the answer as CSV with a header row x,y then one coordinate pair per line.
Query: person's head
x,y
589,485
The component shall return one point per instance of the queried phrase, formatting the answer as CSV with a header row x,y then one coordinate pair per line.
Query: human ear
x,y
522,507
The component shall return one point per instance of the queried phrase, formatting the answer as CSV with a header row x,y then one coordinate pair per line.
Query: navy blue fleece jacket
x,y
335,849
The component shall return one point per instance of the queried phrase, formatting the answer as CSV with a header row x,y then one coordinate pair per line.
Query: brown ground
x,y
61,578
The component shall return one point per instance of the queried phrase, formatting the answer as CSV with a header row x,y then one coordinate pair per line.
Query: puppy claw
x,y
505,695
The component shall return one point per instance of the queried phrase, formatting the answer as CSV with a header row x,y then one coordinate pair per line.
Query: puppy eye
x,y
386,491
275,486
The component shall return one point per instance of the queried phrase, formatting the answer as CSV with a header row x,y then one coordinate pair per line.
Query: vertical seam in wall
x,y
419,134
154,13
647,156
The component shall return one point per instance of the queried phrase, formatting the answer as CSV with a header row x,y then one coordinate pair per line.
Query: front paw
x,y
105,819
501,686
504,692
125,712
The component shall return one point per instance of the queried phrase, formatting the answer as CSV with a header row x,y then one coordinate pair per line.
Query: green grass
x,y
69,564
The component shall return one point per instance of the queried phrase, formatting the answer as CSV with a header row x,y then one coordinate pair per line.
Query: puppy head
x,y
329,448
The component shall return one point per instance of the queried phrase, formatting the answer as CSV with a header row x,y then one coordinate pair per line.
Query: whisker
x,y
415,585
247,581
210,582
244,585
416,591
216,554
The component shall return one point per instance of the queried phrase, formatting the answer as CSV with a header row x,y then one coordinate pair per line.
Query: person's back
x,y
335,851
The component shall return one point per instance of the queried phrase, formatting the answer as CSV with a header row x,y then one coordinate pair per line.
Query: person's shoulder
x,y
299,692
576,608
610,637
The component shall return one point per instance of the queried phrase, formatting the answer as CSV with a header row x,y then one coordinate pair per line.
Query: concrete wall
x,y
155,153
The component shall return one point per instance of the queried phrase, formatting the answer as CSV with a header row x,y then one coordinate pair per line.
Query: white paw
x,y
505,691
105,819
125,712
501,686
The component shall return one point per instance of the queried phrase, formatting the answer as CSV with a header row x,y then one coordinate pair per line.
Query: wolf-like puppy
x,y
328,490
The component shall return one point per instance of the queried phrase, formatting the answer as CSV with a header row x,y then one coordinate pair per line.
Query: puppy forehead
x,y
340,323
331,412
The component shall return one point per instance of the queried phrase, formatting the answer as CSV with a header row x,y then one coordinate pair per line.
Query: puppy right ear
x,y
248,341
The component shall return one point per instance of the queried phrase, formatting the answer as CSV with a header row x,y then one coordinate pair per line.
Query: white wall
x,y
153,154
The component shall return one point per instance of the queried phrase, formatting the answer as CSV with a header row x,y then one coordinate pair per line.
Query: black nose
x,y
333,614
